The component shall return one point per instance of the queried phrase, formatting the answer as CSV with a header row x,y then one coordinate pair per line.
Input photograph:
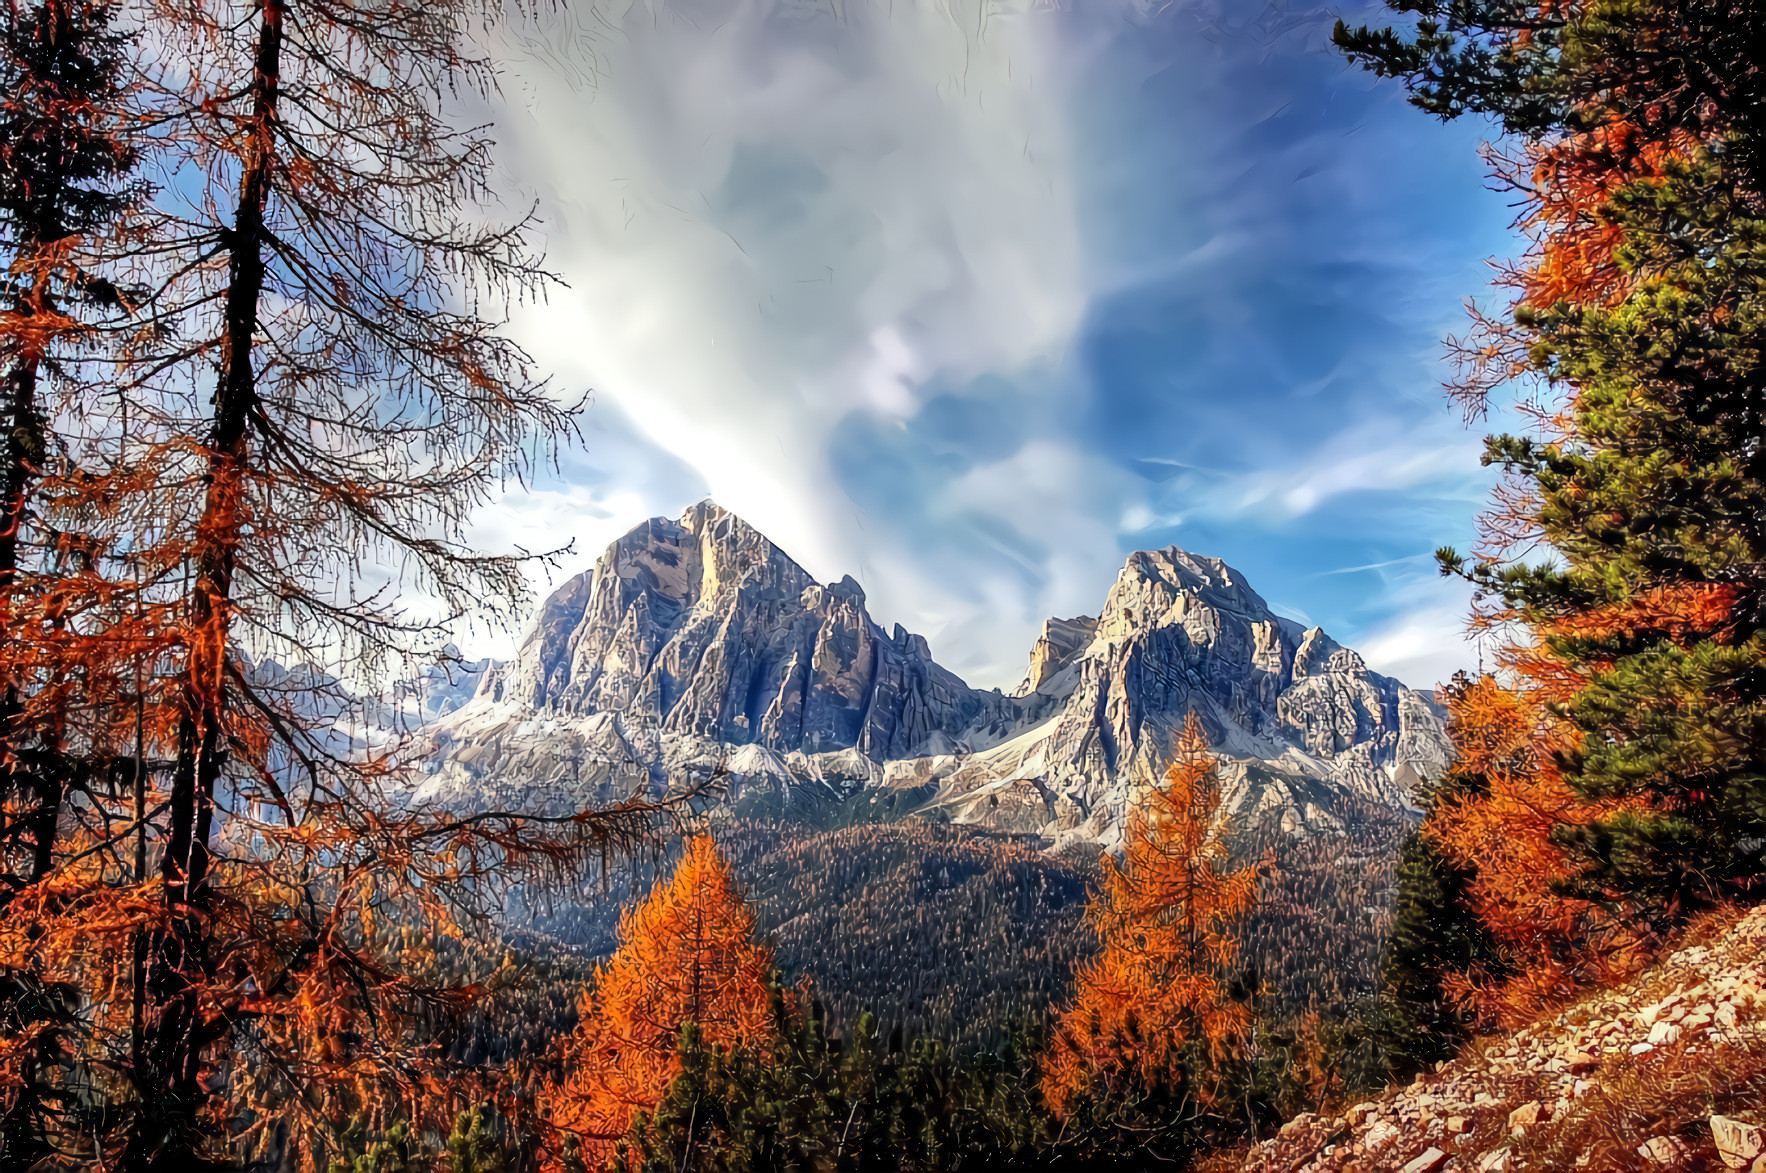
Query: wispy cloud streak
x,y
970,298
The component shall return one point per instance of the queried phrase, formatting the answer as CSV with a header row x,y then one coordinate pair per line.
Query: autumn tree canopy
x,y
235,400
317,389
67,179
1152,1036
1639,309
1517,937
687,954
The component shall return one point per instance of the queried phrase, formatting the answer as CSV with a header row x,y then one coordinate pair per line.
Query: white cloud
x,y
760,227
779,220
1369,456
773,215
1043,505
1425,643
888,380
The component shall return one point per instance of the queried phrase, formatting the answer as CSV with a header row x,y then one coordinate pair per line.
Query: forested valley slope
x,y
920,848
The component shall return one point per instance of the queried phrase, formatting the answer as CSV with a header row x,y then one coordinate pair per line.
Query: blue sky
x,y
970,300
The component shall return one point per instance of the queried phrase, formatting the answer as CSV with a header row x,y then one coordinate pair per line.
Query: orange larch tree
x,y
307,397
686,954
1496,819
1612,781
1152,1035
67,178
1640,313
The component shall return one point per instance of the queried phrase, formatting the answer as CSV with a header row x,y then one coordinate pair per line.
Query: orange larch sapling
x,y
1151,1015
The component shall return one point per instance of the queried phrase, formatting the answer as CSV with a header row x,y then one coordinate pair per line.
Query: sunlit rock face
x,y
1296,716
705,629
697,645
1061,640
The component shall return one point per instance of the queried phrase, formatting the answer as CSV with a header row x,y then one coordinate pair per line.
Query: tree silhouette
x,y
267,451
1642,166
66,179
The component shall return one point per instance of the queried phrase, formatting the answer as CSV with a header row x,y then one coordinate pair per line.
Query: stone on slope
x,y
1738,1142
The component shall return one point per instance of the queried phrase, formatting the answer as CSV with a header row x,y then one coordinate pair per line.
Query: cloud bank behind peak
x,y
968,299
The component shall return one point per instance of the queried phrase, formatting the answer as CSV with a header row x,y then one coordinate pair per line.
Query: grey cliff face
x,y
1290,709
444,686
698,643
704,628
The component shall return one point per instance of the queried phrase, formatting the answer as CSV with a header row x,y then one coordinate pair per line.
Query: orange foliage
x,y
208,887
1566,184
1165,921
686,954
1497,822
1572,178
1499,828
1684,612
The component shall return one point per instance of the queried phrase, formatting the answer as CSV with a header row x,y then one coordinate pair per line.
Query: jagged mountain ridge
x,y
704,628
1296,717
698,643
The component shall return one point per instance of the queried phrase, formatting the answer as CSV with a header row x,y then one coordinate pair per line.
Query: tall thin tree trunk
x,y
138,959
176,1036
20,1127
24,464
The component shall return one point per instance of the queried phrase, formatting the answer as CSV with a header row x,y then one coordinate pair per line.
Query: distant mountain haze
x,y
697,645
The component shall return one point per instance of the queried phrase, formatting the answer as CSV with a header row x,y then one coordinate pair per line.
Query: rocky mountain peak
x,y
1318,653
1061,640
696,642
1181,633
702,626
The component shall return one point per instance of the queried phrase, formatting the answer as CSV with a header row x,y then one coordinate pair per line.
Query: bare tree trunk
x,y
34,766
176,1037
36,818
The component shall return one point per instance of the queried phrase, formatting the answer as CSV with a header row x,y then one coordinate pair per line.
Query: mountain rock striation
x,y
697,646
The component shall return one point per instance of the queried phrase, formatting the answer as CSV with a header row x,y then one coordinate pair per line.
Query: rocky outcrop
x,y
1061,640
1288,707
441,687
704,628
697,645
1665,1073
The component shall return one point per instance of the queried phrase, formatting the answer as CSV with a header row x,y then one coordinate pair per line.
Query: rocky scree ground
x,y
1665,1074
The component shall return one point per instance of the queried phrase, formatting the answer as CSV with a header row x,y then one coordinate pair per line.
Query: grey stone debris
x,y
697,645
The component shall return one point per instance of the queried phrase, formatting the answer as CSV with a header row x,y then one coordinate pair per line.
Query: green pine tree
x,y
475,1146
813,1103
1653,500
1409,1024
391,1151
